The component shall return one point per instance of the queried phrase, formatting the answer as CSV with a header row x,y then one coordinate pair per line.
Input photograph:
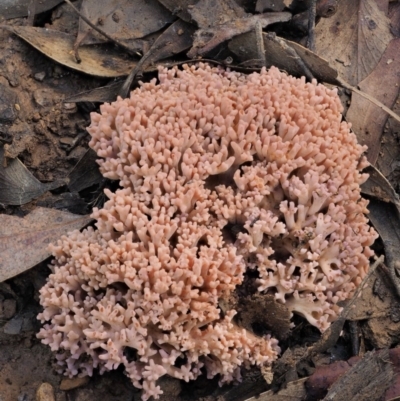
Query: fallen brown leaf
x,y
367,119
24,241
219,21
85,173
175,39
18,185
389,156
59,47
354,39
19,8
122,19
244,46
379,187
385,218
179,8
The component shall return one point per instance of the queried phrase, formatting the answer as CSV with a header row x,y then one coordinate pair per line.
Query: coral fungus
x,y
220,172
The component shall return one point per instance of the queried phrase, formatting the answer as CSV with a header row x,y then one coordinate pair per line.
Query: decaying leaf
x,y
367,119
219,21
24,241
179,8
19,8
86,172
122,19
368,305
389,156
110,92
101,94
385,218
59,47
379,187
17,185
244,46
354,39
67,201
175,39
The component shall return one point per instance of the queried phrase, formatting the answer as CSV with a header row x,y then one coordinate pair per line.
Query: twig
x,y
97,29
355,341
260,43
31,13
312,13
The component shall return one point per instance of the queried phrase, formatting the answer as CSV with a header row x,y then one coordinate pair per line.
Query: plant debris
x,y
24,241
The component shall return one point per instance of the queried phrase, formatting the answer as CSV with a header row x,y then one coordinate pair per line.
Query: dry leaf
x,y
101,94
354,39
19,8
221,20
389,156
368,305
17,185
244,46
24,241
175,39
385,218
366,118
110,92
59,46
179,8
85,173
67,202
379,187
122,19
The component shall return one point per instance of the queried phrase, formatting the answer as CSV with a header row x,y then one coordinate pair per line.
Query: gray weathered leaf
x,y
24,241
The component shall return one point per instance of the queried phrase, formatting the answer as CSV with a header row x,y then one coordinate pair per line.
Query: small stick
x,y
260,43
312,14
97,29
355,341
31,13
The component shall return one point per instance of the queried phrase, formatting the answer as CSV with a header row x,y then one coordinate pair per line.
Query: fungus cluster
x,y
220,172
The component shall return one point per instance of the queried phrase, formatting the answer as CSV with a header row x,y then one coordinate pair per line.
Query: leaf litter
x,y
24,241
18,185
354,39
130,39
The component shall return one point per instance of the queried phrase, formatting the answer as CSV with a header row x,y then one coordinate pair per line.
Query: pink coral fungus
x,y
220,172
